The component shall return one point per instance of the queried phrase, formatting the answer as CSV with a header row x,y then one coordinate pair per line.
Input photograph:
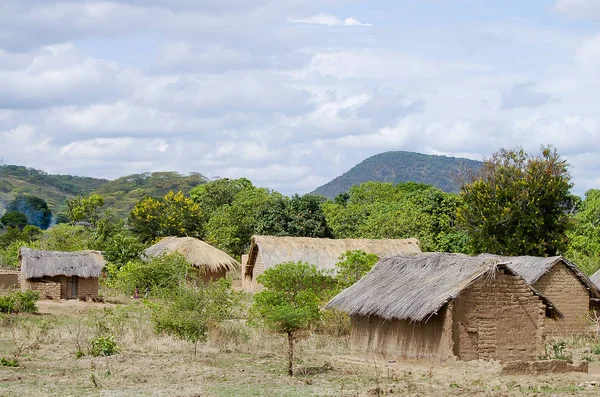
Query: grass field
x,y
236,361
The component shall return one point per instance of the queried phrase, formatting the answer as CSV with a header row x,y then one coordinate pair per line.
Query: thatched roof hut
x,y
415,288
206,258
267,251
562,282
39,264
441,305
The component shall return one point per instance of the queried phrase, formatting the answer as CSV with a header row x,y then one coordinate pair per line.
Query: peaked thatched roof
x,y
322,252
532,268
199,254
37,263
415,288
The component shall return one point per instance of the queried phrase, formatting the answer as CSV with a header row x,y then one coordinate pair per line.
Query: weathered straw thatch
x,y
203,256
415,288
595,278
532,268
322,252
38,264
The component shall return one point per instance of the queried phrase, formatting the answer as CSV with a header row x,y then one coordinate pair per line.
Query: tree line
x,y
516,204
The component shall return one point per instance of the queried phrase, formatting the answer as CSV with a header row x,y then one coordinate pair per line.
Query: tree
x,y
215,194
584,238
291,299
14,219
65,237
35,209
162,272
353,266
173,215
518,204
85,209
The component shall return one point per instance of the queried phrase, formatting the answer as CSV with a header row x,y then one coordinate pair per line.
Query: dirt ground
x,y
150,365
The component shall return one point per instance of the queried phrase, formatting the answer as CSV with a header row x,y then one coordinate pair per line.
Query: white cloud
x,y
329,20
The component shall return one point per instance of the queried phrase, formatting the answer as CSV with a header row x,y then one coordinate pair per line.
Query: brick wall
x,y
498,318
393,339
87,287
569,296
47,289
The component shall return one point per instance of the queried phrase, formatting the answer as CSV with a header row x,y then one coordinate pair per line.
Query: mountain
x,y
399,167
54,189
121,193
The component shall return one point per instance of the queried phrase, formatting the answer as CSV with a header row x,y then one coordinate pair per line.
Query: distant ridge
x,y
399,167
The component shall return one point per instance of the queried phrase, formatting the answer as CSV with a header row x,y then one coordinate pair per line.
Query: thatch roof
x,y
37,263
322,252
595,278
415,288
532,268
199,254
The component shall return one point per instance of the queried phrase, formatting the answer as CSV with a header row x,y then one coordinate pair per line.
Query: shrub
x,y
163,272
19,302
104,345
353,266
9,363
189,312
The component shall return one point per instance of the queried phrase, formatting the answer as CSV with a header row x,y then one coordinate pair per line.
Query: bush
x,y
19,302
102,346
9,363
189,312
163,272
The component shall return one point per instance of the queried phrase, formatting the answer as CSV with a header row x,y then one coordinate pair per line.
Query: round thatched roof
x,y
199,254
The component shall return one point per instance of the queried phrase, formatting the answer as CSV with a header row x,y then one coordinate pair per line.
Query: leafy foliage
x,y
85,208
353,266
162,272
299,216
584,238
19,302
174,215
291,299
103,346
190,312
65,237
14,219
518,204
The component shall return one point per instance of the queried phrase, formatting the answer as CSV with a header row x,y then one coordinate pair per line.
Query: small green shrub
x,y
596,349
19,302
9,363
103,346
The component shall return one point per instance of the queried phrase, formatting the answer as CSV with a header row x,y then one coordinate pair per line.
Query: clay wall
x,y
498,318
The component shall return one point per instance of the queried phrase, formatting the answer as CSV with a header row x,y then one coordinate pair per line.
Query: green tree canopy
x,y
584,238
291,299
14,219
85,208
353,266
518,204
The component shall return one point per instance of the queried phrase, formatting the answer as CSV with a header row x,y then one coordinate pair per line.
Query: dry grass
x,y
235,361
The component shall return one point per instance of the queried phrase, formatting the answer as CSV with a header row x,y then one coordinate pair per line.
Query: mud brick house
x,y
573,293
441,305
267,251
61,275
9,279
210,262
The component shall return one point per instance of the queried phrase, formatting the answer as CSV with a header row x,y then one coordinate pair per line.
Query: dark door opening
x,y
72,287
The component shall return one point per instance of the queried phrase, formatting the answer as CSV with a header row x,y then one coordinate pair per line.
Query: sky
x,y
292,93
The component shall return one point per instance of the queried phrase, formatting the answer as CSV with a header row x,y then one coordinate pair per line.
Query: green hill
x,y
399,167
121,194
54,189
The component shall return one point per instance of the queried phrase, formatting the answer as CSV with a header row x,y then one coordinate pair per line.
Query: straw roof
x,y
199,254
532,268
415,288
595,278
322,252
37,263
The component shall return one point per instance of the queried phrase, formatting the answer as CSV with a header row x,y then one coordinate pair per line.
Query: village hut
x,y
573,293
595,278
212,263
441,305
61,275
268,251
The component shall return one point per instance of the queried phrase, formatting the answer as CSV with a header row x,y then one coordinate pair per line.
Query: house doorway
x,y
71,287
